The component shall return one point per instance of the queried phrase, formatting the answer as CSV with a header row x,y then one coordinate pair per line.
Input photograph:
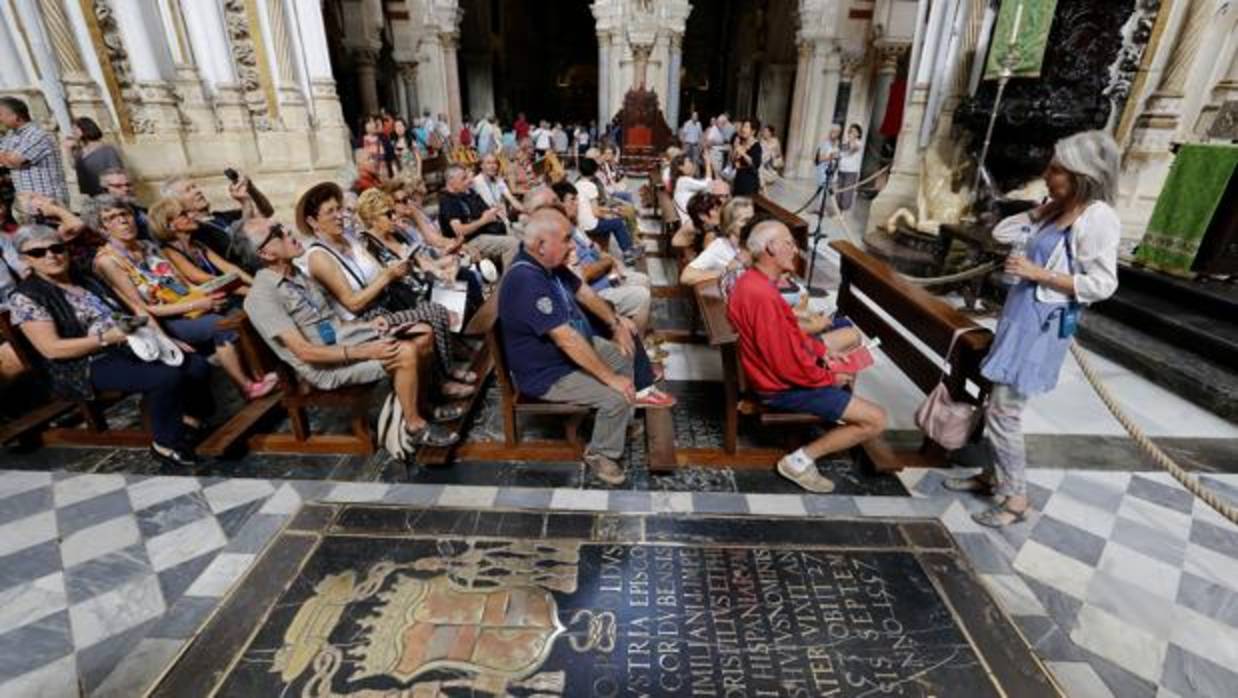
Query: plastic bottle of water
x,y
1017,249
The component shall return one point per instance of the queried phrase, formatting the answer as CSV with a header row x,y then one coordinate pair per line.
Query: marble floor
x,y
1122,583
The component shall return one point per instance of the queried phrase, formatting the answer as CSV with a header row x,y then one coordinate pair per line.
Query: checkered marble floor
x,y
1123,583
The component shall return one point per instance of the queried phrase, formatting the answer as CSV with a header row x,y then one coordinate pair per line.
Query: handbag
x,y
943,419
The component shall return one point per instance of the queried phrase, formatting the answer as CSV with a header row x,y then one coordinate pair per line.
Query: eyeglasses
x,y
56,248
118,215
276,232
400,200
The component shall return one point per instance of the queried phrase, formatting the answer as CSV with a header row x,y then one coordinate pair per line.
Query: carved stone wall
x,y
245,56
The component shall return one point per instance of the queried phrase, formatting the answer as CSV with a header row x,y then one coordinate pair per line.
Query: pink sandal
x,y
261,388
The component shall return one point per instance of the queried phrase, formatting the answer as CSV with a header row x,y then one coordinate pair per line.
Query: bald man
x,y
552,350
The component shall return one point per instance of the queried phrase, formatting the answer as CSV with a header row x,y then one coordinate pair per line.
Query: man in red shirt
x,y
521,127
787,367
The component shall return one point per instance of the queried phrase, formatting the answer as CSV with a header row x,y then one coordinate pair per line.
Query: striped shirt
x,y
42,170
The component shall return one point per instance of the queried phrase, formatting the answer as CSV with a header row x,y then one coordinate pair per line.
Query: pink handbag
x,y
943,419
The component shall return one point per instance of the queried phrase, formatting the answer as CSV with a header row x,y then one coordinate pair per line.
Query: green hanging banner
x,y
1022,26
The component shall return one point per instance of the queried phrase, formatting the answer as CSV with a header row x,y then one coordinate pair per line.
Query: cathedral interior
x,y
1017,475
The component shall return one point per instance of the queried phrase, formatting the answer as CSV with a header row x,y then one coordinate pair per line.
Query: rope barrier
x,y
857,185
1158,456
964,275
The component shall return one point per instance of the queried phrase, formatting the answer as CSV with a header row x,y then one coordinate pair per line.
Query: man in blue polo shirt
x,y
551,349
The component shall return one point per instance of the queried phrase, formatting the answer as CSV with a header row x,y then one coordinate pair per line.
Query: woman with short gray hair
x,y
1064,256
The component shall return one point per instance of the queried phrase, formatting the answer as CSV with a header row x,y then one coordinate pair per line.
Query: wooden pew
x,y
514,405
926,317
95,430
767,208
294,396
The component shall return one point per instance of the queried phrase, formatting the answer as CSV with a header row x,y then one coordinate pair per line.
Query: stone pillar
x,y
365,61
799,104
774,95
451,70
888,56
198,116
210,46
604,77
481,84
293,110
408,78
672,85
820,89
43,58
81,91
13,74
154,104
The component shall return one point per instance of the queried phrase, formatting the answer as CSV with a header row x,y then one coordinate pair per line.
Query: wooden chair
x,y
514,405
95,430
295,397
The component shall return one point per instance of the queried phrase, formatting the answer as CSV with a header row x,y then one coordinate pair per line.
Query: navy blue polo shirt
x,y
533,301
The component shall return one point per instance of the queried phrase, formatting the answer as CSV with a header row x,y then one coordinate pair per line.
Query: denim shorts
x,y
828,402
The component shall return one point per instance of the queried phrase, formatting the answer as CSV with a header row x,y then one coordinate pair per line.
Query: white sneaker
x,y
809,478
488,271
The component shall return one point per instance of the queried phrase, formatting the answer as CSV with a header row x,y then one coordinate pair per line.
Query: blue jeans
x,y
616,228
171,391
202,333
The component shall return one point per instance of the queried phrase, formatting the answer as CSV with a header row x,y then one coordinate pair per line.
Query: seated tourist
x,y
117,182
700,226
215,228
387,245
553,350
725,253
463,215
294,318
787,368
355,282
79,346
686,182
593,217
493,189
608,173
369,169
174,228
521,175
627,290
149,284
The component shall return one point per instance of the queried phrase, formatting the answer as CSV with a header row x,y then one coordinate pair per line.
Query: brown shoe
x,y
607,470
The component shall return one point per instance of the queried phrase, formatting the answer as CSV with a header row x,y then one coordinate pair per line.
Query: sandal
x,y
432,435
975,483
1000,516
457,391
447,413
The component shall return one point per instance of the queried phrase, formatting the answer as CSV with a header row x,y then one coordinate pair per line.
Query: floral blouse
x,y
94,314
154,277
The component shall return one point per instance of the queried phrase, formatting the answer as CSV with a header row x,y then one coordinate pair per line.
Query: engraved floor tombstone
x,y
373,600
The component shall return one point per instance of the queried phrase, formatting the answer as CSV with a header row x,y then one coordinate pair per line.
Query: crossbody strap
x,y
950,350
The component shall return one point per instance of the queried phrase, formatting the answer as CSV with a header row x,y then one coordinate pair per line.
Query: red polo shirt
x,y
774,352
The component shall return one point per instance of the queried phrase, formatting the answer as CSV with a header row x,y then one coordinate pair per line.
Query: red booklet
x,y
852,361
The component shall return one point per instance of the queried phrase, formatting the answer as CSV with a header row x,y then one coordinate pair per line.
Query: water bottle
x,y
1017,249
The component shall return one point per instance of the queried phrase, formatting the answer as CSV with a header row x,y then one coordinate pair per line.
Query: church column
x,y
195,106
672,75
799,97
888,56
365,62
820,89
81,92
13,74
408,79
43,61
293,109
604,77
451,70
155,104
481,84
211,48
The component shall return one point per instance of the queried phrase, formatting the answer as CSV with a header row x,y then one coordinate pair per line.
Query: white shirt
x,y
691,131
1094,238
541,139
582,136
716,256
713,136
586,194
850,159
492,192
359,264
685,187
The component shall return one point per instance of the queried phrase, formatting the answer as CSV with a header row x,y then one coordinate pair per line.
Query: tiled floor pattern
x,y
1124,584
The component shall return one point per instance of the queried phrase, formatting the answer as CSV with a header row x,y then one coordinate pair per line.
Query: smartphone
x,y
232,175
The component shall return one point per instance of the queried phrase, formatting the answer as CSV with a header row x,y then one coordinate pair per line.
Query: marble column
x,y
156,114
408,80
481,84
888,56
81,92
821,90
604,77
365,61
44,61
13,73
799,104
451,66
774,96
293,109
188,84
210,46
672,86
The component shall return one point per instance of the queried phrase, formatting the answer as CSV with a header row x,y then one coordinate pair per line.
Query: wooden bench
x,y
739,400
295,397
767,208
95,430
927,318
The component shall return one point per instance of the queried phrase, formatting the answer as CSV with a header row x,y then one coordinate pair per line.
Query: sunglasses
x,y
276,232
400,200
41,252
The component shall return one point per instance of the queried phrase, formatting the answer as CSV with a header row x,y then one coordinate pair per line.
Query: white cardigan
x,y
1094,239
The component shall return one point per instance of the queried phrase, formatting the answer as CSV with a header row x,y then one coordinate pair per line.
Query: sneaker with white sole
x,y
810,478
605,469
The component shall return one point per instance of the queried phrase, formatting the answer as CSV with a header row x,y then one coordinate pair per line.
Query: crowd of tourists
x,y
375,278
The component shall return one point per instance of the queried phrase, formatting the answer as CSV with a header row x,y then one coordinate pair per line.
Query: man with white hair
x,y
215,228
552,350
788,368
464,216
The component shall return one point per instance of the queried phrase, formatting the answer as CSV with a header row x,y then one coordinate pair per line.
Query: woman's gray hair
x,y
1092,157
96,205
33,232
172,187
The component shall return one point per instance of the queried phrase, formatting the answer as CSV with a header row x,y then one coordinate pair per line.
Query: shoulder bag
x,y
943,419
